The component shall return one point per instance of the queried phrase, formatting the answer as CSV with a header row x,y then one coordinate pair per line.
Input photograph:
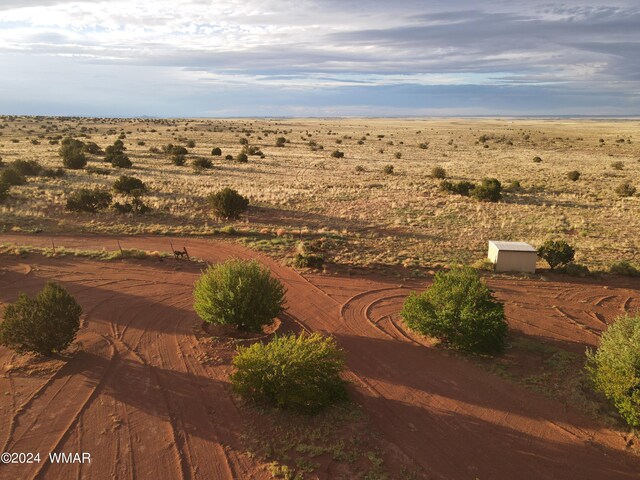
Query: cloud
x,y
335,46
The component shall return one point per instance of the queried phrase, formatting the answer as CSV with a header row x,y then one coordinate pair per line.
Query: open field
x,y
147,393
365,217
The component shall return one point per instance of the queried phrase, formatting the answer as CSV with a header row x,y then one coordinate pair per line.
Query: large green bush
x,y
300,373
44,324
86,200
115,155
240,293
556,253
459,309
615,367
228,203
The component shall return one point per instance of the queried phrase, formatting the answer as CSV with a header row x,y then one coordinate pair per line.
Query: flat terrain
x,y
147,393
355,213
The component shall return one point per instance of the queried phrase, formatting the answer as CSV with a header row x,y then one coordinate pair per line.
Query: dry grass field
x,y
354,212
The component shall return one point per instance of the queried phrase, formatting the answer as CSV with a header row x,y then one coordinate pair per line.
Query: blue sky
x,y
319,57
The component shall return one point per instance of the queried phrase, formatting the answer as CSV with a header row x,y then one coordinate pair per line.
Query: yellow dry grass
x,y
366,217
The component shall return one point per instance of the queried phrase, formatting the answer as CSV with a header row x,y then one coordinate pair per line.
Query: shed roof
x,y
512,246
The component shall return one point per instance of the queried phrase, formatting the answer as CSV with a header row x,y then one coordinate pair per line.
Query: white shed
x,y
513,256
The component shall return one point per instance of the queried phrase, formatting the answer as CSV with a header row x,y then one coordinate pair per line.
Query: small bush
x,y
626,189
489,190
387,169
337,154
463,188
556,253
115,155
86,200
11,177
216,152
178,159
617,165
308,261
129,185
191,143
438,172
300,373
359,169
28,168
52,172
459,309
201,163
537,160
238,292
615,367
280,141
242,158
228,203
573,175
44,324
92,148
72,153
624,268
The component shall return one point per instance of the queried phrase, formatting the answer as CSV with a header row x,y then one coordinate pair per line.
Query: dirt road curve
x,y
140,398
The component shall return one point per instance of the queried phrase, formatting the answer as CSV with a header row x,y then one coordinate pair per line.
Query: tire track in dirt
x,y
451,418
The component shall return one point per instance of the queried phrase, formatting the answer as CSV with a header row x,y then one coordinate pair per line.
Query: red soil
x,y
143,395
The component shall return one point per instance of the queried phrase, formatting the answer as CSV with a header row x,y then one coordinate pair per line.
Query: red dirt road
x,y
144,399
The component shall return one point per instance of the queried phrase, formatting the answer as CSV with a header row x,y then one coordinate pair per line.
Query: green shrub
x,y
240,293
28,168
463,188
216,152
359,169
308,261
242,158
228,203
387,169
72,153
615,367
11,176
299,373
459,309
573,175
556,253
438,172
86,200
337,154
191,143
280,141
489,190
537,160
52,172
625,189
129,185
44,324
624,268
115,155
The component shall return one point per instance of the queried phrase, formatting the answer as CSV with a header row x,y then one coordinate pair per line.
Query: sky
x,y
317,58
